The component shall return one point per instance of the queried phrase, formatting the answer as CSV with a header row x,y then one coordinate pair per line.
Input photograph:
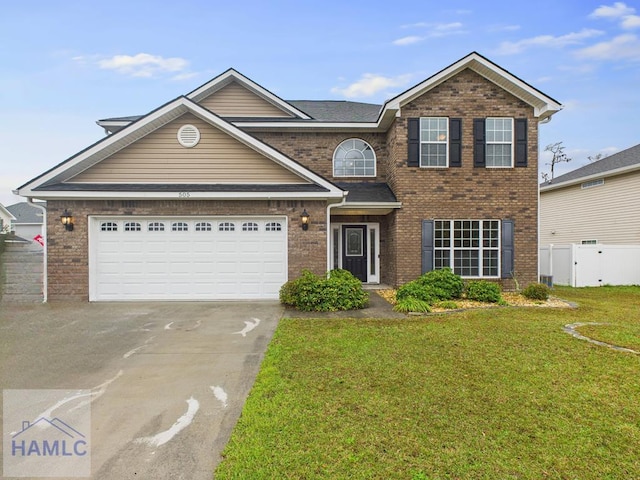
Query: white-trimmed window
x,y
434,141
226,227
155,227
179,227
132,227
471,248
354,158
203,227
249,227
109,227
499,142
273,227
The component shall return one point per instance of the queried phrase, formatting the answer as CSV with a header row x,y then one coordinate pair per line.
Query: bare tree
x,y
558,156
595,158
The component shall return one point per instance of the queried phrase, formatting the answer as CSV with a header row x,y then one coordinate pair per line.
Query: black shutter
x,y
478,142
455,142
507,253
521,142
413,135
427,245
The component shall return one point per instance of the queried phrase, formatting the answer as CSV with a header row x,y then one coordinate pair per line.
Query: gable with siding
x,y
234,100
158,157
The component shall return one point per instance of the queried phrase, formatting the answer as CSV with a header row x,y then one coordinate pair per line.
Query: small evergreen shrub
x,y
412,304
536,291
417,290
483,291
445,284
313,293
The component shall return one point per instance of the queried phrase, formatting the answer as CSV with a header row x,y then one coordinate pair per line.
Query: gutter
x,y
45,282
329,207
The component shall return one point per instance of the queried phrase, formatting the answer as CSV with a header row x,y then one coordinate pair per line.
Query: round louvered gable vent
x,y
188,136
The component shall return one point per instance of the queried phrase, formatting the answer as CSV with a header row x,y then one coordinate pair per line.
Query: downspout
x,y
329,207
45,276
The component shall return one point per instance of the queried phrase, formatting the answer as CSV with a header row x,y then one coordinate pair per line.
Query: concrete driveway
x,y
167,381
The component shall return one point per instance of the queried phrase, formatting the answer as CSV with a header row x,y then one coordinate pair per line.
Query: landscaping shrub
x,y
313,293
417,290
536,291
412,304
483,291
444,283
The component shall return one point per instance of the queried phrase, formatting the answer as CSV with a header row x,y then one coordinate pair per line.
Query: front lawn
x,y
491,394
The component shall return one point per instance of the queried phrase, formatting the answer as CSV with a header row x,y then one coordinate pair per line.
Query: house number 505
x,y
184,194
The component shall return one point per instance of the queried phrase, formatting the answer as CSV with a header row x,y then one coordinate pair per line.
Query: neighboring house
x,y
28,220
5,219
206,197
597,203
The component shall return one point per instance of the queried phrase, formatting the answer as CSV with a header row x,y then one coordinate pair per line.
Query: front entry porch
x,y
356,247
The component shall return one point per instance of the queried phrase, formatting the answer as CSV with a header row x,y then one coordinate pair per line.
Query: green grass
x,y
485,394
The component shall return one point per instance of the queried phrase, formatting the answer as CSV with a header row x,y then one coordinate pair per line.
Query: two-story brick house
x,y
229,191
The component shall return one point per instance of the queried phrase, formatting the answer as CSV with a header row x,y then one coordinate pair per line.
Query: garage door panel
x,y
204,258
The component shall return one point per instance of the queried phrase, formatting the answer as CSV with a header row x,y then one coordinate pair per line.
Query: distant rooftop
x,y
624,159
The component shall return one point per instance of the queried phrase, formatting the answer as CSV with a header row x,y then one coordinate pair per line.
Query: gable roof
x,y
356,116
544,106
232,75
6,212
622,162
52,183
25,213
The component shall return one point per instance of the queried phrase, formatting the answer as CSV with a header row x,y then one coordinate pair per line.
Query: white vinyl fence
x,y
591,265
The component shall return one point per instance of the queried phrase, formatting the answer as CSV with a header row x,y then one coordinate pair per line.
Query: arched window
x,y
354,158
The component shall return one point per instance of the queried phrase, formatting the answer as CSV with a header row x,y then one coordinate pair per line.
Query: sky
x,y
66,64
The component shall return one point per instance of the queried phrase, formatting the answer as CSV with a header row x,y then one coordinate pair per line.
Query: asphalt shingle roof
x,y
368,192
26,213
318,110
625,158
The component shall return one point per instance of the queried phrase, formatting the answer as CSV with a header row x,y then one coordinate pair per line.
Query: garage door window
x,y
156,227
226,227
273,227
132,227
180,227
249,227
109,227
203,227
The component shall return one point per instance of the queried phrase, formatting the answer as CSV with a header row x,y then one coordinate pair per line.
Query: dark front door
x,y
354,250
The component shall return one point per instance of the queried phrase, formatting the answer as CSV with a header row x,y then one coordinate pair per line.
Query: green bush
x,y
536,291
313,293
483,291
412,304
417,290
445,284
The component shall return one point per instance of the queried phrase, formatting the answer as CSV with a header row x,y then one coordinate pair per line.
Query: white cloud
x,y
410,40
574,38
370,84
631,21
622,47
415,25
143,64
435,30
504,28
617,10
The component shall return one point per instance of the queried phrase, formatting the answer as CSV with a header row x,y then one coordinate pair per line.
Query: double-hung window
x,y
434,140
499,138
471,248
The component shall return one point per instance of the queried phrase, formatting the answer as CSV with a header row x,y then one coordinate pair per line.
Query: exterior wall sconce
x,y
305,219
67,220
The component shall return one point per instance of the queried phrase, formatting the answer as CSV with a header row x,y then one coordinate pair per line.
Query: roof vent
x,y
188,136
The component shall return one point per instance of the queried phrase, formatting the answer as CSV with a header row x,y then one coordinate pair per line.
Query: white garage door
x,y
187,258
